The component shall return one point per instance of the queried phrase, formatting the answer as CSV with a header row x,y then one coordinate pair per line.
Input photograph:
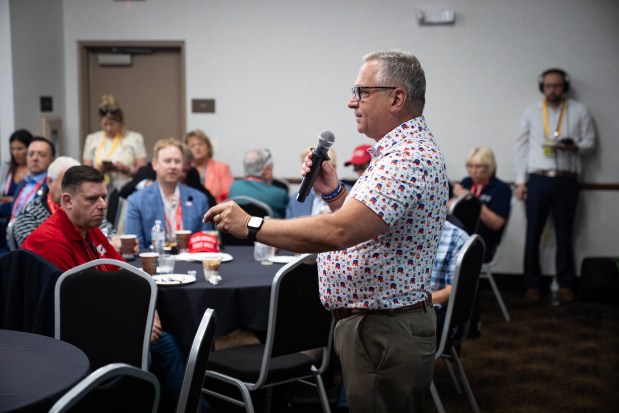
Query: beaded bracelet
x,y
334,196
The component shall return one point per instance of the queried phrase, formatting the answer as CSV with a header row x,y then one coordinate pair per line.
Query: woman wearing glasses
x,y
115,151
494,194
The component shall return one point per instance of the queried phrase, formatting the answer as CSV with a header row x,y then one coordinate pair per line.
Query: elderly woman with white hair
x,y
494,194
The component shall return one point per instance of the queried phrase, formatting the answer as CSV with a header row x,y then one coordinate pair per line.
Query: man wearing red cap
x,y
360,161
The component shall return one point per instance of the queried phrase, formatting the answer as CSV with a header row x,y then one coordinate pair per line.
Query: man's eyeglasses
x,y
109,110
364,90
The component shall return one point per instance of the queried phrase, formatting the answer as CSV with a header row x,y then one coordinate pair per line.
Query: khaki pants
x,y
387,360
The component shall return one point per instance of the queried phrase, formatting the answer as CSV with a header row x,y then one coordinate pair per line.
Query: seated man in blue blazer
x,y
167,199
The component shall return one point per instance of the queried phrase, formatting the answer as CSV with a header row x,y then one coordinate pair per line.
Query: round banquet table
x,y
36,370
240,300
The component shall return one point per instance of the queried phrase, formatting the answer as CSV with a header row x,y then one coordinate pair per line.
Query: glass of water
x,y
165,264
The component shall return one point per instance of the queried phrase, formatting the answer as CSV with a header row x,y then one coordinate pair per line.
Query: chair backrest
x,y
463,293
467,208
9,236
282,183
27,283
113,200
195,371
496,256
116,387
106,314
253,207
297,319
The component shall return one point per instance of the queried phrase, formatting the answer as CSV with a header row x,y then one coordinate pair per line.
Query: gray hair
x,y
403,69
256,160
60,164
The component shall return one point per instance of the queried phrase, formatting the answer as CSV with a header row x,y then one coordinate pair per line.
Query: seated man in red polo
x,y
71,236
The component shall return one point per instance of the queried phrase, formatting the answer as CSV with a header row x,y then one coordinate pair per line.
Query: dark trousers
x,y
387,360
558,195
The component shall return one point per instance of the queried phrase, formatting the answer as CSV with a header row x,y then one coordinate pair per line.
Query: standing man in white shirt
x,y
554,133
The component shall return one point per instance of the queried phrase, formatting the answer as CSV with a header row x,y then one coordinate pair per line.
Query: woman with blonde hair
x,y
115,151
214,175
494,194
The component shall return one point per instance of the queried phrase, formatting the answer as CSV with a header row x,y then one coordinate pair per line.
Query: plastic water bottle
x,y
157,236
554,292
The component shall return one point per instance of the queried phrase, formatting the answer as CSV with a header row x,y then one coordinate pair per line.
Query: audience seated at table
x,y
146,175
494,194
41,208
313,204
258,167
214,175
167,199
71,236
41,153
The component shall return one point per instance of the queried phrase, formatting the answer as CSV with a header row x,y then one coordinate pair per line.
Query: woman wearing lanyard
x,y
494,194
115,151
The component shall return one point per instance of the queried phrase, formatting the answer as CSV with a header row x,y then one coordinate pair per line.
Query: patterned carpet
x,y
547,359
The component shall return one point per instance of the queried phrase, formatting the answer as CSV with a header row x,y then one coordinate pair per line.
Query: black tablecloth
x,y
35,371
241,300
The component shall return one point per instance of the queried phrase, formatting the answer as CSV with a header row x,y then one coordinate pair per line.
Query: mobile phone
x,y
567,141
107,163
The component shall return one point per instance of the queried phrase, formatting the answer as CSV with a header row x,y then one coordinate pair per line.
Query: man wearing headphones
x,y
553,135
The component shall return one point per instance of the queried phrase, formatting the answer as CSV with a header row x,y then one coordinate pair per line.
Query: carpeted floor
x,y
547,359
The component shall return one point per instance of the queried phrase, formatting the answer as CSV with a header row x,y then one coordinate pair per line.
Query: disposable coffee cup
x,y
149,262
127,246
182,240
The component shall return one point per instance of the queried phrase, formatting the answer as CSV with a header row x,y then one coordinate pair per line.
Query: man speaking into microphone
x,y
377,247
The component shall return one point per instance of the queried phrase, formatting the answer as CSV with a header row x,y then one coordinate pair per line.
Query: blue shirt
x,y
449,246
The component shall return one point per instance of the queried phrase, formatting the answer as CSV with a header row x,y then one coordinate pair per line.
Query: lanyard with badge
x,y
108,156
550,141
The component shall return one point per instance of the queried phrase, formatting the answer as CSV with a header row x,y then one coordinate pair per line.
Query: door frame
x,y
84,48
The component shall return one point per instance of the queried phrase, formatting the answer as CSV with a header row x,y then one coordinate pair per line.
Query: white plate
x,y
199,256
174,279
283,259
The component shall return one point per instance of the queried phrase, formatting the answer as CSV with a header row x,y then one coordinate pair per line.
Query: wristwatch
x,y
254,225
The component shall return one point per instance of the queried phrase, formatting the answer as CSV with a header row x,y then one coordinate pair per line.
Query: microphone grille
x,y
326,139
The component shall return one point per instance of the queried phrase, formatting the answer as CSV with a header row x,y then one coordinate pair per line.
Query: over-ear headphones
x,y
566,79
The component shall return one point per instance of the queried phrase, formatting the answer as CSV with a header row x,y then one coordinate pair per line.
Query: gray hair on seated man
x,y
59,165
259,163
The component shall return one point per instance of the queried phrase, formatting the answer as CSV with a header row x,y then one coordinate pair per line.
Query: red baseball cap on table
x,y
203,242
360,156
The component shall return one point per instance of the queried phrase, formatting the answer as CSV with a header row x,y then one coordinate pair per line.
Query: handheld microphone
x,y
325,140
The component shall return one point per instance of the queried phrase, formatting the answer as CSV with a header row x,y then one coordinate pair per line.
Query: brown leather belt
x,y
342,313
551,173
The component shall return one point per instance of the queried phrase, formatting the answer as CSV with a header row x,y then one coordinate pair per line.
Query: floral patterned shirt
x,y
406,185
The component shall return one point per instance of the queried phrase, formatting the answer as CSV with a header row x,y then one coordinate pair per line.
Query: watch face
x,y
255,222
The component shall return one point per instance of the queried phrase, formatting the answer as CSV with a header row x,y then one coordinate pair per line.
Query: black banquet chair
x,y
298,322
253,207
108,315
116,387
458,317
195,371
467,208
27,283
